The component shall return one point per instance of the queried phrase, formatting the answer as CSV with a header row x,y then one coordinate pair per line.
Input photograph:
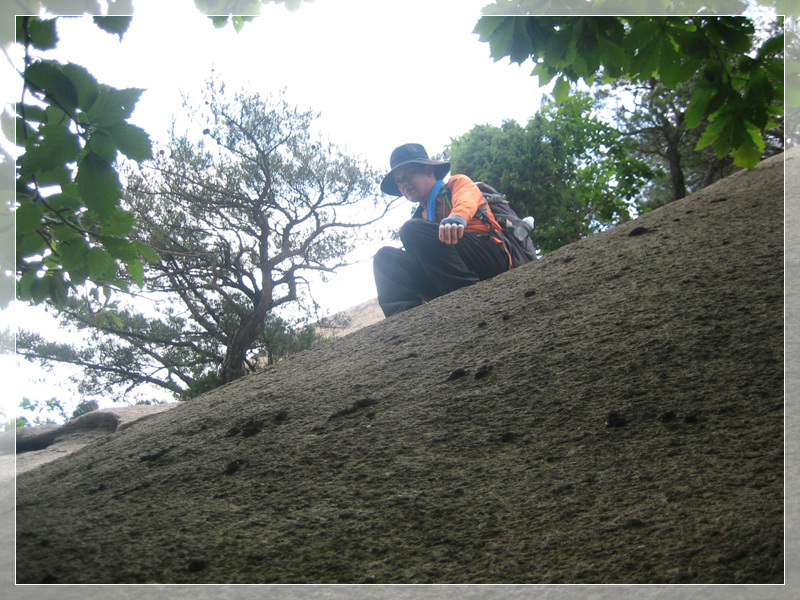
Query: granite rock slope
x,y
612,413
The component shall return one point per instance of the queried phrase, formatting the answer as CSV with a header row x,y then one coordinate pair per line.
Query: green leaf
x,y
486,27
28,217
31,113
42,33
561,89
30,244
119,222
543,73
98,184
712,133
54,147
669,67
645,64
136,271
74,254
749,153
773,45
697,107
614,57
132,141
733,33
504,40
116,25
58,290
120,248
147,252
65,234
39,290
113,106
85,84
101,264
59,176
20,30
101,143
521,44
48,77
24,285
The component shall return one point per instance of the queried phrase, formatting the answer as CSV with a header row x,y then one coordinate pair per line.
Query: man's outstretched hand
x,y
451,229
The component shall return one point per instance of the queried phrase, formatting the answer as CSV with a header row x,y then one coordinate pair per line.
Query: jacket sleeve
x,y
465,196
467,199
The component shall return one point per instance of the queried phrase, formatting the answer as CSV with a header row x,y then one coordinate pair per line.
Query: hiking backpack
x,y
522,250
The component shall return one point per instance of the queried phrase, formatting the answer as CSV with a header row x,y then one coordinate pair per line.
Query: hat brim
x,y
389,185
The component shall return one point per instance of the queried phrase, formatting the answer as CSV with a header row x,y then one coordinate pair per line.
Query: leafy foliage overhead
x,y
738,94
635,7
71,228
239,12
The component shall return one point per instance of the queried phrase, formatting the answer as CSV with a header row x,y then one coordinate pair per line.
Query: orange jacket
x,y
466,200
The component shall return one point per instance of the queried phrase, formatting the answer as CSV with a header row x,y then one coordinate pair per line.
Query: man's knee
x,y
418,229
384,255
387,260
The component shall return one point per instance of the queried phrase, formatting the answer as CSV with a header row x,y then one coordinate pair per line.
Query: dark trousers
x,y
426,268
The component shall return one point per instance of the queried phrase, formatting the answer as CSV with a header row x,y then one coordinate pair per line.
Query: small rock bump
x,y
638,231
614,419
457,374
483,371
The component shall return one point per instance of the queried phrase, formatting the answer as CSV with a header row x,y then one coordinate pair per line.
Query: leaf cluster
x,y
71,228
239,12
739,91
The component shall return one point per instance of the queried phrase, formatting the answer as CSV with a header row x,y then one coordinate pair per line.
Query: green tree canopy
x,y
574,173
737,95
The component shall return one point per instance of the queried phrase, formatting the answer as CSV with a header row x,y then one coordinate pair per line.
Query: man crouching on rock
x,y
446,246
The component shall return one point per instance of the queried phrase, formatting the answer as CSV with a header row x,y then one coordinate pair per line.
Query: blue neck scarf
x,y
430,209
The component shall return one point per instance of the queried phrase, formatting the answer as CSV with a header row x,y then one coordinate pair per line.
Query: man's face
x,y
415,181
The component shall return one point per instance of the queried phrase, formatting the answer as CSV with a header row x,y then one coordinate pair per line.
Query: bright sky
x,y
407,72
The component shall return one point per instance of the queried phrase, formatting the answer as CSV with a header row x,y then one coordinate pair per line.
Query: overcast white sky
x,y
380,74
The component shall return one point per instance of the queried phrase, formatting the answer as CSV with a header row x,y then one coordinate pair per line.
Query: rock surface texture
x,y
613,413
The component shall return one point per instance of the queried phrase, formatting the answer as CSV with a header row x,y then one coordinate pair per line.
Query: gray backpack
x,y
515,232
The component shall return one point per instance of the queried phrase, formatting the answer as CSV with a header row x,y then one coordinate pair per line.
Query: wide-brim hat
x,y
408,154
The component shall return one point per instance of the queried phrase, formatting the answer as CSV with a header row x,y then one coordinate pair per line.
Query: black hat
x,y
410,154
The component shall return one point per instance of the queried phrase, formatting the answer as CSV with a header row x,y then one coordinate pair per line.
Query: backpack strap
x,y
447,197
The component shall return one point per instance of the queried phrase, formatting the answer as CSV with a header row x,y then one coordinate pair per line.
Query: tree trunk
x,y
715,167
676,178
233,367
